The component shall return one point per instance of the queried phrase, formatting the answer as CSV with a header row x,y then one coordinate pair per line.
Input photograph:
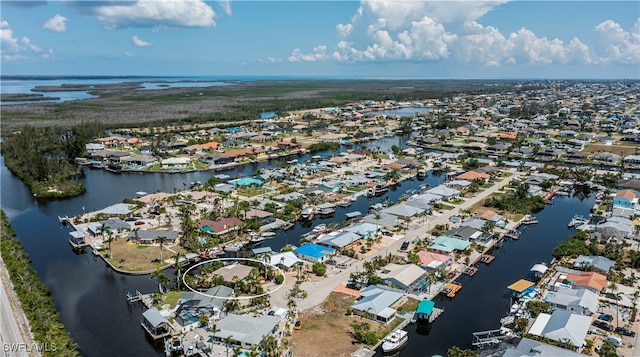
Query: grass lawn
x,y
622,150
138,257
251,191
172,298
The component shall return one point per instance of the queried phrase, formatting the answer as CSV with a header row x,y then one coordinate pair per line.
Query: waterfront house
x,y
432,260
375,303
589,280
579,301
114,225
193,305
447,245
285,260
459,184
138,161
407,277
562,326
176,163
597,263
402,210
623,225
314,252
625,199
338,240
468,233
532,348
385,220
473,175
220,226
363,229
263,217
245,331
156,325
445,192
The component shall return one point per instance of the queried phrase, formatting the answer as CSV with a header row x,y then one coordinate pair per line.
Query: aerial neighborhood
x,y
481,167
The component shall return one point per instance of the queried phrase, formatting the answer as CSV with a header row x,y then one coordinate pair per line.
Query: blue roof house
x,y
314,252
449,244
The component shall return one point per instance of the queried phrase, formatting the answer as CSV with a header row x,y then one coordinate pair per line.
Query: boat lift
x,y
487,338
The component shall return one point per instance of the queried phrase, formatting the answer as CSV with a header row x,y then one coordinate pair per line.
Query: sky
x,y
342,39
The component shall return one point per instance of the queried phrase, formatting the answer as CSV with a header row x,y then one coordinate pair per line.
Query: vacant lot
x,y
133,257
326,329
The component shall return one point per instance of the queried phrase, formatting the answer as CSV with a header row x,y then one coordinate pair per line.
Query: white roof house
x,y
403,276
247,330
285,260
601,264
338,239
562,325
363,229
531,348
579,301
444,191
376,303
403,210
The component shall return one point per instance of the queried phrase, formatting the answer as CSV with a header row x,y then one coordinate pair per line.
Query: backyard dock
x,y
471,271
486,258
451,289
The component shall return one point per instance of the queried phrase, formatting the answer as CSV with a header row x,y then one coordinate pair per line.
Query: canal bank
x,y
484,298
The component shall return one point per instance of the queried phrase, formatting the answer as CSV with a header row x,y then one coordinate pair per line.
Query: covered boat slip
x,y
522,289
426,312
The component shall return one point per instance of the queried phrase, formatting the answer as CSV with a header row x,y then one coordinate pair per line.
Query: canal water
x,y
91,297
484,298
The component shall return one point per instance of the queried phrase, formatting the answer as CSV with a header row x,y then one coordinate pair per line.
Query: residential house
x,y
532,348
375,303
597,263
625,198
193,305
176,163
402,210
285,260
263,217
445,192
220,226
338,240
314,252
473,175
407,277
363,229
579,301
562,326
432,260
589,280
447,245
245,331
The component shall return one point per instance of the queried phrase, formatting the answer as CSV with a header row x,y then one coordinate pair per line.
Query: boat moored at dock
x,y
394,341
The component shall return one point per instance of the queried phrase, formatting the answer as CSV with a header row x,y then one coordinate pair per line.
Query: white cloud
x,y
128,54
140,42
58,23
270,60
27,42
318,54
614,44
153,13
8,42
226,6
436,30
12,49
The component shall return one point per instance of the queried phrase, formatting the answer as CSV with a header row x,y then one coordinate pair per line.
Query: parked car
x,y
405,245
298,325
139,223
603,325
625,331
605,317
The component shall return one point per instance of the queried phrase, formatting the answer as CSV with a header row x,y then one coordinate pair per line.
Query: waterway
x,y
91,297
484,298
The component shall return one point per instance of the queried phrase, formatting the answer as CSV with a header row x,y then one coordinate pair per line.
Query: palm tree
x,y
227,342
109,239
614,287
161,240
178,266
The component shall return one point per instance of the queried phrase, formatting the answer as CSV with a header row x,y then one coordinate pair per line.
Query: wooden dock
x,y
451,289
471,271
486,258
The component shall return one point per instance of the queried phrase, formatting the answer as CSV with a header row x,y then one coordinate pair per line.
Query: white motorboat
x,y
268,235
394,341
320,228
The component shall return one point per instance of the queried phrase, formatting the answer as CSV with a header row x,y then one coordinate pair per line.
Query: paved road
x,y
317,291
12,343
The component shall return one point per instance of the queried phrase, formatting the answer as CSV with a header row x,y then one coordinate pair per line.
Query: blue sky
x,y
395,39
